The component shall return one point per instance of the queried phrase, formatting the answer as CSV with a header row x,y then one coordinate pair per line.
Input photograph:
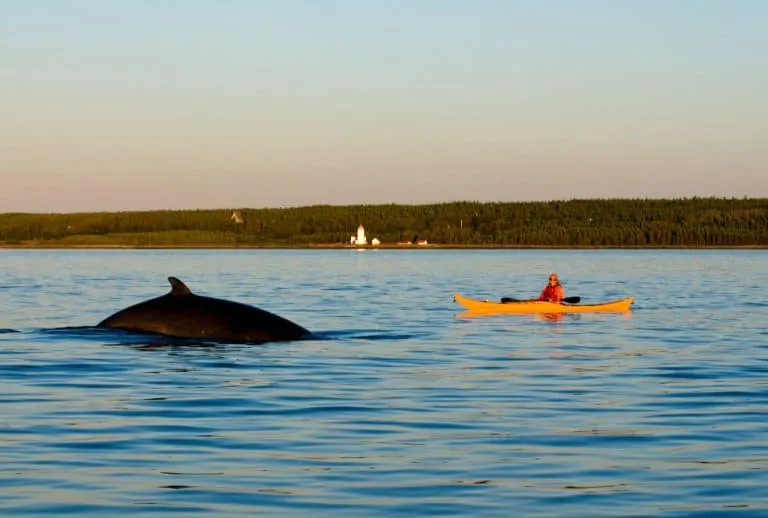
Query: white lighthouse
x,y
360,239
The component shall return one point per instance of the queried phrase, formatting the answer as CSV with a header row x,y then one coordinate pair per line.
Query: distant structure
x,y
416,241
237,217
360,239
375,241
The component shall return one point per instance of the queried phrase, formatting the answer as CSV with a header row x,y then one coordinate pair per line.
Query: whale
x,y
180,313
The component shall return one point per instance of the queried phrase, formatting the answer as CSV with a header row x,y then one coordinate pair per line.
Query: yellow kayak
x,y
537,306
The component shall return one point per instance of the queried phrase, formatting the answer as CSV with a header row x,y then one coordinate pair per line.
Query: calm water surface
x,y
401,407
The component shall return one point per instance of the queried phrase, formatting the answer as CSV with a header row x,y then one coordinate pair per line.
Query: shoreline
x,y
55,246
633,224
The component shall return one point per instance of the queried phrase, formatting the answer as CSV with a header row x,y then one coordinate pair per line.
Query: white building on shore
x,y
360,239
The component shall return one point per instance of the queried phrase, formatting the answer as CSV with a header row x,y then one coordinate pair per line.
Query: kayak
x,y
538,306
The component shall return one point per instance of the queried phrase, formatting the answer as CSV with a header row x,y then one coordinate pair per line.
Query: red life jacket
x,y
552,293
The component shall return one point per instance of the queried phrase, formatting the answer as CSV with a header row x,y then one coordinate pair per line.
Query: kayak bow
x,y
538,306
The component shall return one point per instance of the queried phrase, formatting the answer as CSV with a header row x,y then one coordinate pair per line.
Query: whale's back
x,y
186,315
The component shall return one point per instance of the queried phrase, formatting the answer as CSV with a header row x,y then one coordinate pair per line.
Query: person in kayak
x,y
553,291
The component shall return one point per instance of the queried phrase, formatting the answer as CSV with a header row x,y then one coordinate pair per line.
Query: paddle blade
x,y
566,300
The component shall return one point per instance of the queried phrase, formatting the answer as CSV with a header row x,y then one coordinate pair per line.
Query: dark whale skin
x,y
183,314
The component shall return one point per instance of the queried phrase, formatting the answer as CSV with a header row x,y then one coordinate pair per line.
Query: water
x,y
401,407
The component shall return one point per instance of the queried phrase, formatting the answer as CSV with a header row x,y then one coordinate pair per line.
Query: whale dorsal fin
x,y
178,288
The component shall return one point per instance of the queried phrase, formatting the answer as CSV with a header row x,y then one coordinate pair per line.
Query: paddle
x,y
566,300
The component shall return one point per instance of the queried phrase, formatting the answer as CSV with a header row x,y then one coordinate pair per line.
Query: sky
x,y
185,104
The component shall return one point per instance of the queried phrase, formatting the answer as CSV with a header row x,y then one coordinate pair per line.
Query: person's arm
x,y
541,295
559,294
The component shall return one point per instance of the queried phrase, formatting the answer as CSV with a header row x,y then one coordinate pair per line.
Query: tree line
x,y
582,222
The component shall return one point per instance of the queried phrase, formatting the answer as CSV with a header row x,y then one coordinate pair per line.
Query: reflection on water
x,y
401,405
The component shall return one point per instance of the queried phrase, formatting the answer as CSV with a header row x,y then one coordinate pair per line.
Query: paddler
x,y
553,291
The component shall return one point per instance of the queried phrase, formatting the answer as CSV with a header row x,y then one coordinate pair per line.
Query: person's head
x,y
553,279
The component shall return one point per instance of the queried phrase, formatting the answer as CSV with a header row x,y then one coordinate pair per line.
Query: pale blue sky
x,y
149,104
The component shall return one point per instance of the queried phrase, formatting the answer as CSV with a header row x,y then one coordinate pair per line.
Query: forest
x,y
625,223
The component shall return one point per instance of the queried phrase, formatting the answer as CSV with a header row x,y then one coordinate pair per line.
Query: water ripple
x,y
397,407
